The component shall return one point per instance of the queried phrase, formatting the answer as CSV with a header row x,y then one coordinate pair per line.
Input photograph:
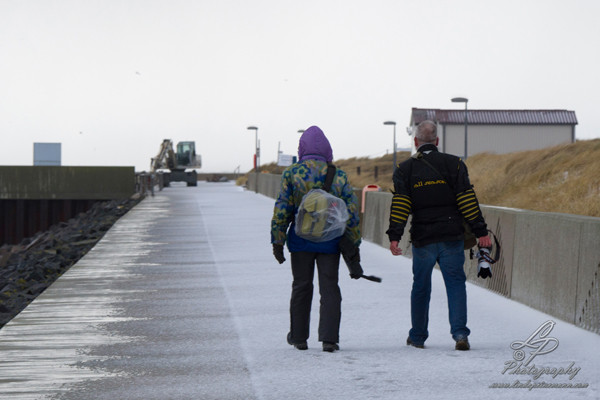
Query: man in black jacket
x,y
435,188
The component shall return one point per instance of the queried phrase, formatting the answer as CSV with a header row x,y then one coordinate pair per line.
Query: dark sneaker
x,y
330,347
462,344
300,345
409,342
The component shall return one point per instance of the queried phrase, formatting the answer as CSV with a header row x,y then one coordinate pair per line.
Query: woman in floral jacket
x,y
314,155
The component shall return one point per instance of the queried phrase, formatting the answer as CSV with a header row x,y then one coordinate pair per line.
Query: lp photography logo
x,y
532,375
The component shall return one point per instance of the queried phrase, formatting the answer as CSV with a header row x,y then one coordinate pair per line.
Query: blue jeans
x,y
451,258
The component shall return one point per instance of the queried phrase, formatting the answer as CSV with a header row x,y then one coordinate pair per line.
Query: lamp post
x,y
394,124
256,150
463,100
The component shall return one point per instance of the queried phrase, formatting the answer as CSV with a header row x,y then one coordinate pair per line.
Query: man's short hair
x,y
426,132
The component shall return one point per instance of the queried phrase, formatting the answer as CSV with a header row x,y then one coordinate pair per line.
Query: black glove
x,y
351,255
278,252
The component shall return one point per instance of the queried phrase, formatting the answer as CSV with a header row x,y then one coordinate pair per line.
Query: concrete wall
x,y
35,198
549,261
269,185
73,183
211,176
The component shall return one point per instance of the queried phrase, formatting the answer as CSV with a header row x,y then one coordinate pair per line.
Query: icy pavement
x,y
182,299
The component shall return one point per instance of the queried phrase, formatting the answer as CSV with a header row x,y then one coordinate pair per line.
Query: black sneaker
x,y
330,347
411,343
300,345
462,344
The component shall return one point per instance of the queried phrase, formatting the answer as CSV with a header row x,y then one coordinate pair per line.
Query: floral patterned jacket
x,y
296,181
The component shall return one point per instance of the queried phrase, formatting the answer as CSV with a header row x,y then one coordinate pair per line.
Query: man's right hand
x,y
397,251
484,241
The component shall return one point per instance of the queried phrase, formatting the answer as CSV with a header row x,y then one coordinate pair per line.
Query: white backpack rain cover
x,y
321,216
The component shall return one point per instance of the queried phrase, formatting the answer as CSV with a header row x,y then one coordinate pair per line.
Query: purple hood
x,y
314,146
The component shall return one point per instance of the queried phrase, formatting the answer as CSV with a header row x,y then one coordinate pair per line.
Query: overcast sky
x,y
111,79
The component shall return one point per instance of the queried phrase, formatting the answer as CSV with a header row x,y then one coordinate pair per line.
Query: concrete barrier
x,y
549,261
545,263
252,182
587,305
269,185
34,198
376,221
73,183
266,184
376,206
215,176
502,222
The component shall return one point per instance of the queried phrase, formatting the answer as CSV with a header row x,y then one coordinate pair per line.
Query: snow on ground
x,y
182,299
374,362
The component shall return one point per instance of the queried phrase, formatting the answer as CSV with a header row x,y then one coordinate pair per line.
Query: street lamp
x,y
463,100
256,150
394,124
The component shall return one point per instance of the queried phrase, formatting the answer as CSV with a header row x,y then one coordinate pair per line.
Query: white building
x,y
497,131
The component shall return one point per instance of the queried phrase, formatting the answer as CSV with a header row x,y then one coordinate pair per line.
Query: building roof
x,y
495,117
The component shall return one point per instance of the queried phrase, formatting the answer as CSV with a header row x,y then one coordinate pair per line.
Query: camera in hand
x,y
484,263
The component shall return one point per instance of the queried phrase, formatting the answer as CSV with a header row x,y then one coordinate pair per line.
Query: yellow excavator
x,y
177,162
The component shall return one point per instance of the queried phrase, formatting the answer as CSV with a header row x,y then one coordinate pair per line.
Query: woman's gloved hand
x,y
278,253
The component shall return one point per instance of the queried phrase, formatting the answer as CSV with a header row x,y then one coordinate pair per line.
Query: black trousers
x,y
330,313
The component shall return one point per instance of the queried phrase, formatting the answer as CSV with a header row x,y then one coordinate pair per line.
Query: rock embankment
x,y
28,268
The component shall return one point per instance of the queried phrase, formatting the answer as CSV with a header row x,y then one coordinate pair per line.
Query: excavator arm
x,y
165,157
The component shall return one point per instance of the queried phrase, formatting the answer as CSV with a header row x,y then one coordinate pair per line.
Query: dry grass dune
x,y
564,179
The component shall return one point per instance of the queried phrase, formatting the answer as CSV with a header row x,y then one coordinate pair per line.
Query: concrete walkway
x,y
144,315
182,300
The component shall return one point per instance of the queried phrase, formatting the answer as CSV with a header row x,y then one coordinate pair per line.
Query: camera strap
x,y
419,156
